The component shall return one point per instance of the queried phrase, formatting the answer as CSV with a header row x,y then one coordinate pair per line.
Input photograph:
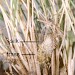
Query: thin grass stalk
x,y
24,4
43,6
35,49
53,69
61,17
28,27
45,71
28,17
69,62
57,61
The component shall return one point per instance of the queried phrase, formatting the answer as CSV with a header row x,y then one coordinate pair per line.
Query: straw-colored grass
x,y
45,28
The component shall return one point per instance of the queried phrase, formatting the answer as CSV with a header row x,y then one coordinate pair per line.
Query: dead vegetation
x,y
40,37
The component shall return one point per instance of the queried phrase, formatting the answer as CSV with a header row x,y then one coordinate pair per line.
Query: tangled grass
x,y
27,23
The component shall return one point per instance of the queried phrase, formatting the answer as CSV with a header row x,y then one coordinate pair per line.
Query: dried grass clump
x,y
45,28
